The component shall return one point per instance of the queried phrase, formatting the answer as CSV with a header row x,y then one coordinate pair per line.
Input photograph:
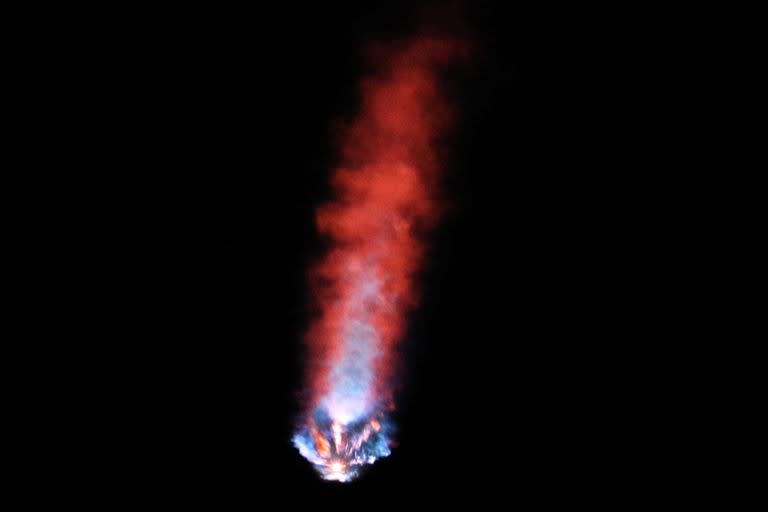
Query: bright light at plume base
x,y
339,452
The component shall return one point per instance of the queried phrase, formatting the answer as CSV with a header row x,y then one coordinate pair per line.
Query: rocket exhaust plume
x,y
385,201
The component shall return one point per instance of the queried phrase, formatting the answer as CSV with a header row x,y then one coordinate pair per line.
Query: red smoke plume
x,y
385,200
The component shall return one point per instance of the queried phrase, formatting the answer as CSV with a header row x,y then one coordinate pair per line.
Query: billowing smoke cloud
x,y
386,200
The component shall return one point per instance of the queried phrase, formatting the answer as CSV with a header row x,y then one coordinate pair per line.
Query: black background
x,y
542,365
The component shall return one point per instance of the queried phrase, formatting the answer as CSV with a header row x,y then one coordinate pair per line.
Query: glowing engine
x,y
338,451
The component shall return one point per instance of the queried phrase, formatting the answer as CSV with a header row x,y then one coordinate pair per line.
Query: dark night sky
x,y
542,365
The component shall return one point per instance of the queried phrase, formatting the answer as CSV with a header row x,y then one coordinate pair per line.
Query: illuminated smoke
x,y
385,202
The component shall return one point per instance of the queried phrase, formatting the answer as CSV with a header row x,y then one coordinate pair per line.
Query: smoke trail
x,y
385,202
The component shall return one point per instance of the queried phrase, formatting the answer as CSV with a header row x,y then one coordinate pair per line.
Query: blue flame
x,y
340,451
